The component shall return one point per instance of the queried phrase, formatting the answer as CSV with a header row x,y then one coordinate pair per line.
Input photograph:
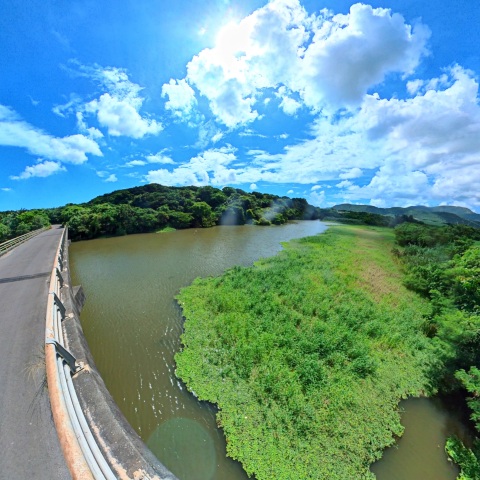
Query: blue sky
x,y
334,101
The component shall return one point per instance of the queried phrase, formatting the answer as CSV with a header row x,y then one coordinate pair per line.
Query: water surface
x,y
133,325
420,453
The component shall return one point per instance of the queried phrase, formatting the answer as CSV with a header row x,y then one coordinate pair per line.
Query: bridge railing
x,y
83,456
10,244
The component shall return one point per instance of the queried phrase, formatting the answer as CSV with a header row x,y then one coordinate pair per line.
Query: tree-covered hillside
x,y
441,215
154,207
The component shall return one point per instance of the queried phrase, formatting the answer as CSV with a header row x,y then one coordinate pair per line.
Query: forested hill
x,y
155,207
441,215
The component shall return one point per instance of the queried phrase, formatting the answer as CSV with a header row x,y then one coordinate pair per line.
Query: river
x,y
133,325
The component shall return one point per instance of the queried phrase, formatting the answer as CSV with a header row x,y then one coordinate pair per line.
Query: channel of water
x,y
133,325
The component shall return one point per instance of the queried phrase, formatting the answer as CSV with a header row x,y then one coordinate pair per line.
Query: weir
x,y
96,439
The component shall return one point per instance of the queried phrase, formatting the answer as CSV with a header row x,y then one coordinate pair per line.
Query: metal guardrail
x,y
84,457
11,244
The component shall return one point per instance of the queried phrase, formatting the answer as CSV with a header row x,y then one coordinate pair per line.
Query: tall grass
x,y
307,354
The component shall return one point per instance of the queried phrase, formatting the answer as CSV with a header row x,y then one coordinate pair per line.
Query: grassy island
x,y
308,353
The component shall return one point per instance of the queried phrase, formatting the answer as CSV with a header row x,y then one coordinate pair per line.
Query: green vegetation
x,y
307,354
16,223
443,265
437,216
154,207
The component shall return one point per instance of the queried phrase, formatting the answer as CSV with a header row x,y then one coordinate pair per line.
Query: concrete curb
x,y
72,452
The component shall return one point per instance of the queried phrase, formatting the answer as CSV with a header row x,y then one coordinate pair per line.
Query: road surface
x,y
29,447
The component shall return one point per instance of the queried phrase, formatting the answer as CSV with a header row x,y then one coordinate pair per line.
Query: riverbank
x,y
307,354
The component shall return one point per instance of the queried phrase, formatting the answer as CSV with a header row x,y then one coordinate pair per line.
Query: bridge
x,y
72,430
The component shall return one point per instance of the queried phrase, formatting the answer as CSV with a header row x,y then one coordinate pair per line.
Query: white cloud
x,y
344,184
135,163
413,86
117,109
90,132
289,105
181,97
160,157
111,178
351,53
180,176
253,186
354,172
290,192
421,149
317,198
42,169
431,142
108,177
325,60
6,189
121,117
212,167
15,132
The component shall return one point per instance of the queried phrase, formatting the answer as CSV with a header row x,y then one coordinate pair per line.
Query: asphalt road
x,y
29,447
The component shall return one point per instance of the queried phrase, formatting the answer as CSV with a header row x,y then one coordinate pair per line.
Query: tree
x,y
203,215
4,232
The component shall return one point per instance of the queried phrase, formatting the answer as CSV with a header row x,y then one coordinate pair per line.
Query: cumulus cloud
x,y
120,116
326,60
289,105
354,172
41,169
317,198
211,167
181,97
160,157
253,186
431,141
351,53
14,132
414,150
344,184
117,109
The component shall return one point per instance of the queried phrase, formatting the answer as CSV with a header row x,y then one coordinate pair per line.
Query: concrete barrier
x,y
5,247
123,454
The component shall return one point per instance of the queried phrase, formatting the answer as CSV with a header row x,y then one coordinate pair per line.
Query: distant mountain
x,y
431,215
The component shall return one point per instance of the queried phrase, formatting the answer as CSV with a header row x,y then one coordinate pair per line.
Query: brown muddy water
x,y
133,325
420,453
